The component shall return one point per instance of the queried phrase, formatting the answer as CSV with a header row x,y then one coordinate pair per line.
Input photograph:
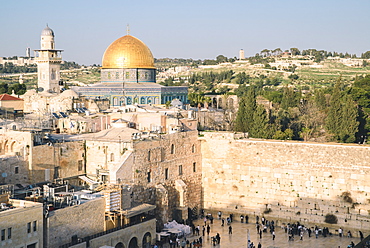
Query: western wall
x,y
296,181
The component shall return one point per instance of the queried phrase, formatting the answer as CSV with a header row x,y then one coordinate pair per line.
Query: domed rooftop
x,y
128,52
47,31
69,93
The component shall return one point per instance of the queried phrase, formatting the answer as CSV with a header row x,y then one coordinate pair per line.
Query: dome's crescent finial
x,y
128,29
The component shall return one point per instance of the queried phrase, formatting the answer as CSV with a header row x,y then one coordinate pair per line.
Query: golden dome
x,y
128,52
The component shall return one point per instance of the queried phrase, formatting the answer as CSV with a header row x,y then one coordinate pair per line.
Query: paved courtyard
x,y
238,239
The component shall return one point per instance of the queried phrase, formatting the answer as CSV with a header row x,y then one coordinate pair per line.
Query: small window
x,y
80,167
112,157
172,149
29,227
2,234
149,156
193,148
35,226
9,233
166,173
149,177
194,167
180,170
16,170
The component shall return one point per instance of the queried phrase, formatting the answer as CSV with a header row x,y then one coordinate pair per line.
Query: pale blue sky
x,y
186,29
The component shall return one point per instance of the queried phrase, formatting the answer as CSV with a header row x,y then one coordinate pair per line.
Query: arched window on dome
x,y
115,101
142,100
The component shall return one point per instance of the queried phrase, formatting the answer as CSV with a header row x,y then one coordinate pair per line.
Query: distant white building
x,y
241,54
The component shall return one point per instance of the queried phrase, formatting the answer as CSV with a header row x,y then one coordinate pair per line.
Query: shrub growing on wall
x,y
331,219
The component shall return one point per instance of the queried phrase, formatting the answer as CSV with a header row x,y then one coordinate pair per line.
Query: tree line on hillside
x,y
340,113
211,82
19,89
11,68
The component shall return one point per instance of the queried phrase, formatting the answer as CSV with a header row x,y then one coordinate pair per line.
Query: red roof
x,y
6,97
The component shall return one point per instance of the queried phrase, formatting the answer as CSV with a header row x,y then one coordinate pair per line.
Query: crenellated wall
x,y
296,180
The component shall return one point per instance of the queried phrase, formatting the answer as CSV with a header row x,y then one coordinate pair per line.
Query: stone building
x,y
48,61
164,170
20,223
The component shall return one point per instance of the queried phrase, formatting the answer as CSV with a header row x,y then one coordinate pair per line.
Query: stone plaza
x,y
239,237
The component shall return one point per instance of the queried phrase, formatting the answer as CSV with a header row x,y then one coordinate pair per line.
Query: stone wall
x,y
296,180
67,158
126,235
164,161
81,220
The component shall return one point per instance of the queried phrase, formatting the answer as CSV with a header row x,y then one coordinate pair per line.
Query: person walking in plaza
x,y
204,230
219,215
208,229
230,230
246,219
361,235
273,235
218,238
260,233
259,245
222,222
317,233
340,232
241,218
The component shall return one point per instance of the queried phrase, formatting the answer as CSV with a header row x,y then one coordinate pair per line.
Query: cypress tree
x,y
333,122
250,108
260,128
349,125
240,116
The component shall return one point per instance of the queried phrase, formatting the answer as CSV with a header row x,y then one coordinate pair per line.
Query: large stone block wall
x,y
64,156
81,220
296,180
169,153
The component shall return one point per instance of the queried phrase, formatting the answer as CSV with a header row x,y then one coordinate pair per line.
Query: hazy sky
x,y
186,29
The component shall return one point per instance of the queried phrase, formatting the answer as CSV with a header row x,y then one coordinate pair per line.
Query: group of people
x,y
262,225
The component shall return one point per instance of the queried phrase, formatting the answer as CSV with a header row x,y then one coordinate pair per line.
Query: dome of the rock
x,y
128,52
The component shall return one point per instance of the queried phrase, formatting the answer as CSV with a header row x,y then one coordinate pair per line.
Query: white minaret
x,y
48,63
241,54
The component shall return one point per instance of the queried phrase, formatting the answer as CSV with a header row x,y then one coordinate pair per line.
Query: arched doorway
x,y
147,240
133,243
119,245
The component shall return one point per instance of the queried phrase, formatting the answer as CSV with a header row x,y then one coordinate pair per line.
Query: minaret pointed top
x,y
128,29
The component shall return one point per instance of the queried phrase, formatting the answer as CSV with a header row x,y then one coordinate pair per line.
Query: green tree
x,y
239,125
349,125
333,120
290,98
250,108
295,51
221,59
260,125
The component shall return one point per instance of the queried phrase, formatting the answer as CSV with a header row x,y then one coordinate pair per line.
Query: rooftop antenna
x,y
128,29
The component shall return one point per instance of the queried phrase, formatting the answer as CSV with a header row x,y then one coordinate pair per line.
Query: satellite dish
x,y
4,174
40,89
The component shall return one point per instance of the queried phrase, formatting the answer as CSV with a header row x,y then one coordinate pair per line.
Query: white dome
x,y
47,31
